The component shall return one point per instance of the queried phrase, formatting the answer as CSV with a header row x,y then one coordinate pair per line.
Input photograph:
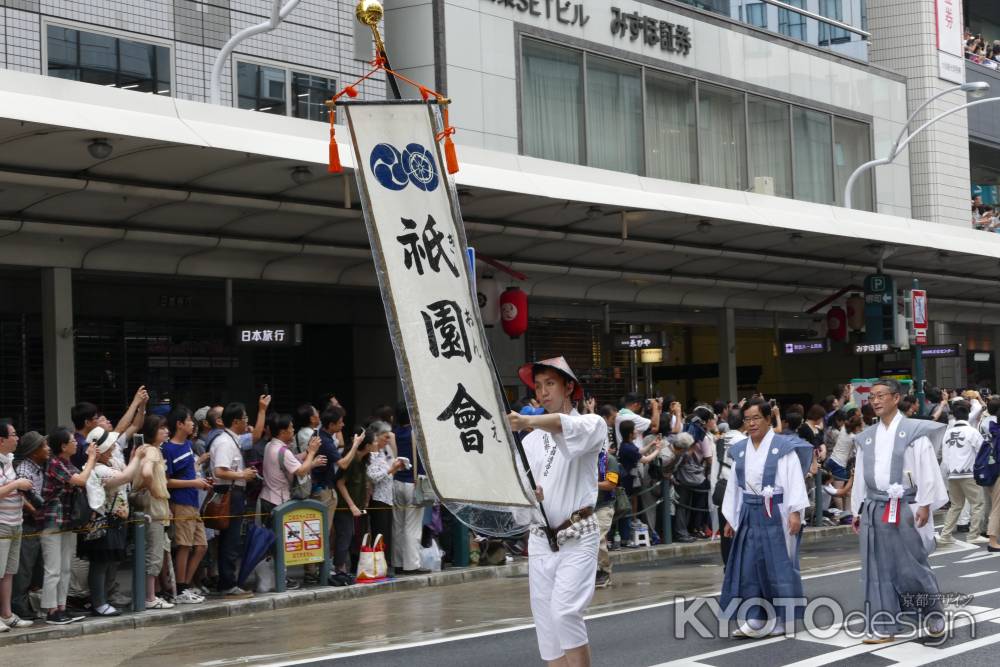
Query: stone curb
x,y
215,609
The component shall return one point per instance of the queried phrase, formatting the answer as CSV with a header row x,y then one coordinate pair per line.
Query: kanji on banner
x,y
458,415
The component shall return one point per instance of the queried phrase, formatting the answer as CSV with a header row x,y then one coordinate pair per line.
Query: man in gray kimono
x,y
898,485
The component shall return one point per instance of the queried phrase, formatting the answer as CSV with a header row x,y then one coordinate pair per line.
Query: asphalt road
x,y
488,623
646,634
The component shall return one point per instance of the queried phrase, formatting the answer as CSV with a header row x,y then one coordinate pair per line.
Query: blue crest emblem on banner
x,y
395,169
387,166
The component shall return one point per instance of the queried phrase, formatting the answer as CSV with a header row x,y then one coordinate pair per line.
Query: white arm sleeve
x,y
581,434
792,482
858,490
931,489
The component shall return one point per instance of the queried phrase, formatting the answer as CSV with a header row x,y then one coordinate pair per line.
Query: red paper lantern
x,y
514,311
836,324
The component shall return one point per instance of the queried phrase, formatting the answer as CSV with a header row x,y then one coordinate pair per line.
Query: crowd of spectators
x,y
69,499
984,216
981,51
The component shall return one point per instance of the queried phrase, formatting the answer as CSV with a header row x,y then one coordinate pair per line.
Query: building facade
x,y
658,165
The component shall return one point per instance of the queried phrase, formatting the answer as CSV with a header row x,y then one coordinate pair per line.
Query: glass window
x,y
852,148
552,102
309,93
721,137
792,24
813,156
756,14
770,143
261,88
832,9
108,60
614,116
671,128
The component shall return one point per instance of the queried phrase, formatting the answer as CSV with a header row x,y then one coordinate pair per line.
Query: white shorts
x,y
561,586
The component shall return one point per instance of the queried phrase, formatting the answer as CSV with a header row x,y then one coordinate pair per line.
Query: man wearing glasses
x,y
763,511
898,487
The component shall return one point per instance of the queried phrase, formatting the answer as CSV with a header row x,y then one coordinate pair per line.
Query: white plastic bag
x,y
430,557
264,572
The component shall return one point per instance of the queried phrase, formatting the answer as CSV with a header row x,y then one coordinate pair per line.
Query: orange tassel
x,y
450,156
335,166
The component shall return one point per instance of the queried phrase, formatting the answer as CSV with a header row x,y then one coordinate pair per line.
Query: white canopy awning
x,y
201,190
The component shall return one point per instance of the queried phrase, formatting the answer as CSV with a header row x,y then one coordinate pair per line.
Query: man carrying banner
x,y
898,485
562,451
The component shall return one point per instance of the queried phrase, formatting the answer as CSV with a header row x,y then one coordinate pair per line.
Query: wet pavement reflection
x,y
384,619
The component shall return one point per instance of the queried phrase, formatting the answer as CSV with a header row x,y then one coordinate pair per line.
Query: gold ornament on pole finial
x,y
370,12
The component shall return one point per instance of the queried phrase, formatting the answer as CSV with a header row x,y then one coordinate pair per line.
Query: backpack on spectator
x,y
299,488
986,469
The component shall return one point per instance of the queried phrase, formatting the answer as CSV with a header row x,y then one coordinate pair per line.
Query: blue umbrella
x,y
259,541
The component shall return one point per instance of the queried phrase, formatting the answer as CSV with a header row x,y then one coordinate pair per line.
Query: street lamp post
x,y
974,87
278,14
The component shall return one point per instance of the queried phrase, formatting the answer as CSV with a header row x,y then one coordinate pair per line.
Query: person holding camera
x,y
231,476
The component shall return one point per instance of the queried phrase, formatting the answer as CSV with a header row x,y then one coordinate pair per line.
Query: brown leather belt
x,y
575,517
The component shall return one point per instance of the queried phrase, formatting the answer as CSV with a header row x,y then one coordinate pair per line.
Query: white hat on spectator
x,y
104,440
201,414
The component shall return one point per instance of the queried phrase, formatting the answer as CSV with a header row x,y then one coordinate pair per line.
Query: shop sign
x,y
569,13
269,335
918,298
671,37
640,341
871,348
941,351
805,347
951,63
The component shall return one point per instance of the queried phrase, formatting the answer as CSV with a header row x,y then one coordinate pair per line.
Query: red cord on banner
x,y
351,90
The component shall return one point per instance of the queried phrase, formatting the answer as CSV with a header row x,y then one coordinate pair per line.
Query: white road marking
x,y
935,655
526,626
917,652
741,646
976,558
978,574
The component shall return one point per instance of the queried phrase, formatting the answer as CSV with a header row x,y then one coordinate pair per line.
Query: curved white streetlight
x,y
278,14
975,88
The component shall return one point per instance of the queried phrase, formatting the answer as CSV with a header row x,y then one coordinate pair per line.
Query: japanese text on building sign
x,y
265,335
671,37
456,408
565,11
871,348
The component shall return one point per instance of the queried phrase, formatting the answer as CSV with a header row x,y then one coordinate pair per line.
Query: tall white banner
x,y
951,50
411,213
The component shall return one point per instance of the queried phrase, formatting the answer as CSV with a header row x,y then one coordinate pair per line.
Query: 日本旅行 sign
x,y
269,335
457,411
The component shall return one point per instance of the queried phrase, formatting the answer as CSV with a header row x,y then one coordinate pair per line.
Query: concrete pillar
x,y
948,372
57,346
727,355
904,40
